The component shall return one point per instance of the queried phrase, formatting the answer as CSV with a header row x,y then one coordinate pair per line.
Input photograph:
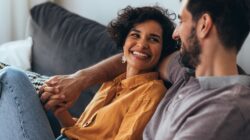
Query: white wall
x,y
6,20
244,56
104,11
13,18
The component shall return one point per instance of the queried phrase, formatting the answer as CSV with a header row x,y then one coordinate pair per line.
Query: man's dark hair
x,y
130,17
229,16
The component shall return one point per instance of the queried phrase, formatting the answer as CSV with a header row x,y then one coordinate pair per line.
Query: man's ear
x,y
204,25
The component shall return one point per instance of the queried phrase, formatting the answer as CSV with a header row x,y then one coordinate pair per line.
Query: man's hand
x,y
59,108
62,89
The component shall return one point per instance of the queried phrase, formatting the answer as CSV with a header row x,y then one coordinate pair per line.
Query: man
x,y
215,103
211,104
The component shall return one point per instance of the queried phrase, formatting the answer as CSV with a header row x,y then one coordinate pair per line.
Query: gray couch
x,y
64,42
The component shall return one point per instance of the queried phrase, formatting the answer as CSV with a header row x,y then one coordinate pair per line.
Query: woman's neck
x,y
131,71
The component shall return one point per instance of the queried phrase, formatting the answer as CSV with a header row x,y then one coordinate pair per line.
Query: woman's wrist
x,y
65,119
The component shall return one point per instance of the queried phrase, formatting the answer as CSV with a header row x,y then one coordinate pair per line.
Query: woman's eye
x,y
134,35
153,39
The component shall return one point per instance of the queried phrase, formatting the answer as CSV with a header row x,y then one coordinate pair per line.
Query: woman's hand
x,y
48,95
61,89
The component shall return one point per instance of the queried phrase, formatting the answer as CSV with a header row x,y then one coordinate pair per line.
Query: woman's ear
x,y
204,25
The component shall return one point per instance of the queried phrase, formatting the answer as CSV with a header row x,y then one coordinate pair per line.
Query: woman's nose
x,y
143,43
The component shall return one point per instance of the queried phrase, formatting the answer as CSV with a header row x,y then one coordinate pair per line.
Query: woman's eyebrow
x,y
135,30
151,34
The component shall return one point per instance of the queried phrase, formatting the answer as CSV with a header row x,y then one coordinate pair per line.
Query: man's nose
x,y
175,34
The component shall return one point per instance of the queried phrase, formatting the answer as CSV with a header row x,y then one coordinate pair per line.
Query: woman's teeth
x,y
140,54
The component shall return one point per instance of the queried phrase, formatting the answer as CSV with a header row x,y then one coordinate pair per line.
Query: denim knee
x,y
25,111
9,74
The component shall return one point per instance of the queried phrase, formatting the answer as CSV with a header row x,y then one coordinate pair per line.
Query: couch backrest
x,y
65,42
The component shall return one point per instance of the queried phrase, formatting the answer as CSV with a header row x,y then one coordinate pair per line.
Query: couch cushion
x,y
65,42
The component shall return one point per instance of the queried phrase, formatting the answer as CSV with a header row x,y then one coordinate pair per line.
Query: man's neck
x,y
217,62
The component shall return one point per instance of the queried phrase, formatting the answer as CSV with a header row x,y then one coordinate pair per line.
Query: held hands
x,y
52,100
60,92
50,95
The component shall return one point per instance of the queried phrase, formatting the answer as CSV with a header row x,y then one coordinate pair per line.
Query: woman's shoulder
x,y
154,87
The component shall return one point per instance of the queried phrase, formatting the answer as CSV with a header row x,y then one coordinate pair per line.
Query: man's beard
x,y
190,54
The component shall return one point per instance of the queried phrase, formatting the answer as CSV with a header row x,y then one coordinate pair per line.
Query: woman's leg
x,y
37,81
21,114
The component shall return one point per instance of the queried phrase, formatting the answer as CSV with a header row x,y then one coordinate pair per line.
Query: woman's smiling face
x,y
143,46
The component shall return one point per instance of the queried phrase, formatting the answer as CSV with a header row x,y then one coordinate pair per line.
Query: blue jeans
x,y
22,116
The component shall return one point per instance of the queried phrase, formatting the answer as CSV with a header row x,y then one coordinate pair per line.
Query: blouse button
x,y
180,96
86,124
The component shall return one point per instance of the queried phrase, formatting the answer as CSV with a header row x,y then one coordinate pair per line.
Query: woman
x,y
122,107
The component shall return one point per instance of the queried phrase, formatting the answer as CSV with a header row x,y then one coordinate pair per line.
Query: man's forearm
x,y
102,71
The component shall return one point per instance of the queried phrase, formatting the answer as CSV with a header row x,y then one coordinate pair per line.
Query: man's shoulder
x,y
235,97
239,97
225,108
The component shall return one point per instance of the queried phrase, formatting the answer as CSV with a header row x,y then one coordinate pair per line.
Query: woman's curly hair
x,y
130,17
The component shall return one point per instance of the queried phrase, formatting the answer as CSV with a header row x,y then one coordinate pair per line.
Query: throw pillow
x,y
17,53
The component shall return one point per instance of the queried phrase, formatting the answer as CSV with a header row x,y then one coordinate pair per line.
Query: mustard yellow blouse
x,y
120,109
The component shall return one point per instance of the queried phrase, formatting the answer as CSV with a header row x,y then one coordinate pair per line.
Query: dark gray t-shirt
x,y
204,108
